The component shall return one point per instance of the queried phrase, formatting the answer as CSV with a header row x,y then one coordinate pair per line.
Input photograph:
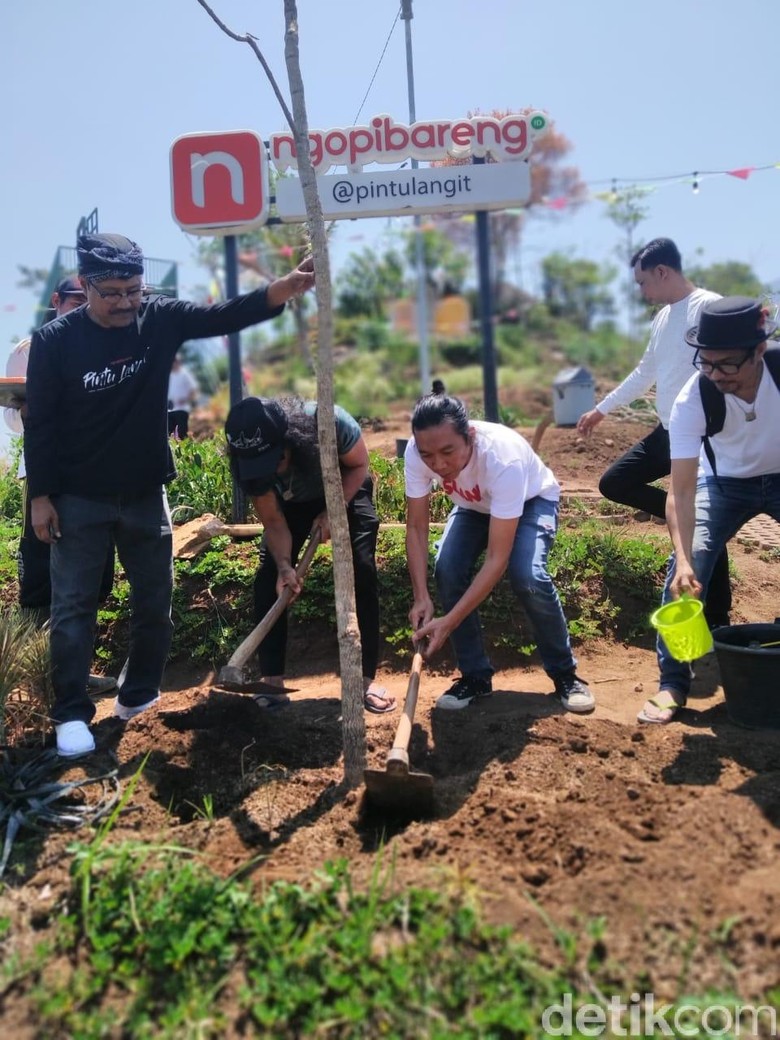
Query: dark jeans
x,y
33,561
141,529
363,530
178,423
628,481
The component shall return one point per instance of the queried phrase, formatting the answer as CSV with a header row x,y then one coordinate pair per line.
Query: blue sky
x,y
642,91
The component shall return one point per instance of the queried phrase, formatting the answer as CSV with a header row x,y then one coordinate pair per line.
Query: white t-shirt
x,y
181,387
503,473
741,449
667,361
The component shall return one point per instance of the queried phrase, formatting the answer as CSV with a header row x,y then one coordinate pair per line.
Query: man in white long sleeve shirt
x,y
666,363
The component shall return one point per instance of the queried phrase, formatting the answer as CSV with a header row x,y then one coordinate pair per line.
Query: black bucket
x,y
750,673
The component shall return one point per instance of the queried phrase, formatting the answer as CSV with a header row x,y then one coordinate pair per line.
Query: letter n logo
x,y
219,182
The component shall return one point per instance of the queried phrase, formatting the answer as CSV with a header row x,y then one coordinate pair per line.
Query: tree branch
x,y
251,41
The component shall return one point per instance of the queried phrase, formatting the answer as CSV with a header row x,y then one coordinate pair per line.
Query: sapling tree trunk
x,y
350,655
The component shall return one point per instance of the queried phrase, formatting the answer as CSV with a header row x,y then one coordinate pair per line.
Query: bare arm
x,y
278,540
417,524
681,518
500,540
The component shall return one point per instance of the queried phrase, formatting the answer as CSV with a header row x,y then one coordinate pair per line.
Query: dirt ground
x,y
671,833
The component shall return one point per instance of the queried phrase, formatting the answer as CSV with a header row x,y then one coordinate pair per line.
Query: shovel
x,y
396,788
231,677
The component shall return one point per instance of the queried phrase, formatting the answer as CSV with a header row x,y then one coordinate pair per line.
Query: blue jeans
x,y
465,537
141,529
722,507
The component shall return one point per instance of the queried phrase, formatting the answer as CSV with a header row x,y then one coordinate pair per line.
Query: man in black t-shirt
x,y
97,458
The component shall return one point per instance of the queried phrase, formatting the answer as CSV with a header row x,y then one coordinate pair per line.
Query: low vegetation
x,y
607,582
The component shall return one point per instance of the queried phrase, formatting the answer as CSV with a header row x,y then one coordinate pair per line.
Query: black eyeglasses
x,y
727,368
114,295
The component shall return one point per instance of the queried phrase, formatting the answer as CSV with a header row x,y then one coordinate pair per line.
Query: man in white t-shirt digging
x,y
506,505
666,363
725,468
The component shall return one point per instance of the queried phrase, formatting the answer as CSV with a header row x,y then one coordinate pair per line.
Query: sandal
x,y
661,709
385,701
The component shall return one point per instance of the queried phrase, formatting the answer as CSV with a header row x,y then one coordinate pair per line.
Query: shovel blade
x,y
405,793
251,686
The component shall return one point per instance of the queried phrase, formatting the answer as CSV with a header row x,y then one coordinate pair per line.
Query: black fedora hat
x,y
731,323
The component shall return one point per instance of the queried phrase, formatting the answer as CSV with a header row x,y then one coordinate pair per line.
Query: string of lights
x,y
619,187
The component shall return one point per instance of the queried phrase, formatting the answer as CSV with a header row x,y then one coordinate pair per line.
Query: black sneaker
x,y
463,691
574,693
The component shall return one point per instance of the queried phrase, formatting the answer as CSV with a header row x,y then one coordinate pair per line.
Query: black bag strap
x,y
714,403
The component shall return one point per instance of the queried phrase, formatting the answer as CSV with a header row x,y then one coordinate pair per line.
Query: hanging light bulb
x,y
695,183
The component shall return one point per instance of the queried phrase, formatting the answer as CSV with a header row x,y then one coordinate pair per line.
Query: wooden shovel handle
x,y
263,627
399,752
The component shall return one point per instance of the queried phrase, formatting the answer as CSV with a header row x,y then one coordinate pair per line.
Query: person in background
x,y
98,458
505,505
274,455
34,556
666,363
724,473
182,394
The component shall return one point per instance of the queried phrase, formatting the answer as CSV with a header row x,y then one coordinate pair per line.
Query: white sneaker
x,y
125,711
74,739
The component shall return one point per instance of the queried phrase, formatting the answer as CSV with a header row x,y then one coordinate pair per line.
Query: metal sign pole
x,y
419,249
236,381
489,381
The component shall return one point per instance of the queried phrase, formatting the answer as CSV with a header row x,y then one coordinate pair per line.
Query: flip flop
x,y
381,694
666,705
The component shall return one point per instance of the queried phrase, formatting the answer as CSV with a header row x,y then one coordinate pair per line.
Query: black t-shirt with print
x,y
97,398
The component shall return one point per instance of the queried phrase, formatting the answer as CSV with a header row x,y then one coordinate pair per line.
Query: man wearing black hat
x,y
97,456
274,454
725,454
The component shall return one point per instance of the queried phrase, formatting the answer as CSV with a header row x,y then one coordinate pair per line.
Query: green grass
x,y
150,943
156,945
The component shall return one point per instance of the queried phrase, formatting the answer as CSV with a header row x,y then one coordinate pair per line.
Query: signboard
x,y
219,182
442,189
385,141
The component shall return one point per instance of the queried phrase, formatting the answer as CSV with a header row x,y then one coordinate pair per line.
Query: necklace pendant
x,y
287,495
750,415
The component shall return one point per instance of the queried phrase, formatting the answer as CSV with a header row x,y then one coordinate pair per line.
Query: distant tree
x,y
550,179
268,252
577,289
729,278
627,208
368,282
446,266
32,278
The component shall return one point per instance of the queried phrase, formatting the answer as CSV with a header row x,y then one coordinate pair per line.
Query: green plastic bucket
x,y
682,626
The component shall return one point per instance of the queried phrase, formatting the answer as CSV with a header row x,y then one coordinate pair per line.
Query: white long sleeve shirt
x,y
667,361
